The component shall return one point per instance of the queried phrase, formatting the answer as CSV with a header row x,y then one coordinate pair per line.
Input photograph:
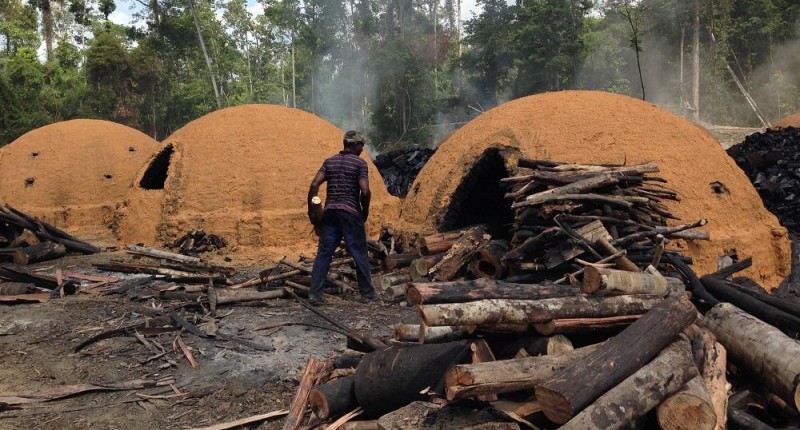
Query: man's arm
x,y
363,185
313,189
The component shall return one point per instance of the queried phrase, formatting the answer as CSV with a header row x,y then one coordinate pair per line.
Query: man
x,y
346,211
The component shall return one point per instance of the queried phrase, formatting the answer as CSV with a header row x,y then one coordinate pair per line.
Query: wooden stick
x,y
345,418
244,421
298,407
582,325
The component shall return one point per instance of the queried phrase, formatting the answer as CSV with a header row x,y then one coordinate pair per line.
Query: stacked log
x,y
26,240
198,241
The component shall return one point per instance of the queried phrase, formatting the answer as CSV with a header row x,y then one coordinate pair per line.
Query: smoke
x,y
776,84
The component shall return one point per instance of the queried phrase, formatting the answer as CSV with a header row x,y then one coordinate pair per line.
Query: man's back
x,y
342,173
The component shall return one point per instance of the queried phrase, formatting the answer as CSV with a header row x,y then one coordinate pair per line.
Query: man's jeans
x,y
336,225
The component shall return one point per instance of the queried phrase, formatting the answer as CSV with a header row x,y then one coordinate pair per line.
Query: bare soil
x,y
232,380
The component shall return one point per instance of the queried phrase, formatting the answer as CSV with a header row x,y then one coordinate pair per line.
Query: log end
x,y
797,397
591,280
413,295
319,405
555,406
685,411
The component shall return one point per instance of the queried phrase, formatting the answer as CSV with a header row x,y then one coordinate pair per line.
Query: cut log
x,y
422,334
611,282
334,398
640,392
500,311
441,242
577,386
488,262
396,375
712,368
689,408
584,325
480,289
760,347
752,305
420,267
225,296
481,353
532,243
159,253
391,279
397,261
505,376
459,253
39,252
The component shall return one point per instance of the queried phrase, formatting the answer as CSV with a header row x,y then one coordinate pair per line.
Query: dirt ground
x,y
232,380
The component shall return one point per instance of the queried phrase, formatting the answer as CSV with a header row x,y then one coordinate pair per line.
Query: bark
x,y
623,262
499,311
205,53
577,386
579,187
334,398
610,282
394,376
26,238
16,288
158,253
640,392
760,347
392,279
583,325
480,289
712,368
397,261
440,242
225,296
471,380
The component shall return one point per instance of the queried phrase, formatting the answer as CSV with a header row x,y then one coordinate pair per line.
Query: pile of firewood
x,y
771,160
399,168
25,239
619,342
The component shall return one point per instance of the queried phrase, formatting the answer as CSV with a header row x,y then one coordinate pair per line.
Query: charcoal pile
x,y
197,241
400,167
771,161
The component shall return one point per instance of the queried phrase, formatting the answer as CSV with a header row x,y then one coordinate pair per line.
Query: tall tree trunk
x,y
205,52
47,27
294,82
696,63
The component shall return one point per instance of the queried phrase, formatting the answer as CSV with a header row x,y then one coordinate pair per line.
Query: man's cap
x,y
353,137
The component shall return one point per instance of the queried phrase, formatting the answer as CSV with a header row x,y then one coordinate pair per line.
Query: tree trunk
x,y
440,242
334,398
696,63
610,282
505,376
762,348
577,386
205,53
499,311
42,251
420,267
419,293
640,392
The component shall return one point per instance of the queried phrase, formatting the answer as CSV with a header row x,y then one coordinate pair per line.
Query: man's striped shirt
x,y
342,172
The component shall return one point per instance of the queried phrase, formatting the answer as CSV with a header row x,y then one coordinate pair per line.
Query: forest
x,y
404,71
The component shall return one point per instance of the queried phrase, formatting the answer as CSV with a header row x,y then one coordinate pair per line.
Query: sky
x,y
123,14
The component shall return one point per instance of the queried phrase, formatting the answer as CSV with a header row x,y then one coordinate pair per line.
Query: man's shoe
x,y
368,300
316,301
